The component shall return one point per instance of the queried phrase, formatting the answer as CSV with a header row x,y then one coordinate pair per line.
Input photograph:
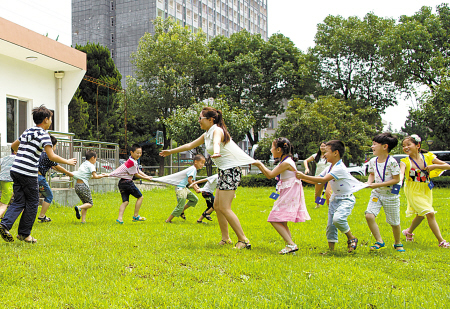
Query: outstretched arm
x,y
184,147
438,164
198,181
314,179
276,171
55,158
61,169
192,184
395,180
305,164
142,175
97,176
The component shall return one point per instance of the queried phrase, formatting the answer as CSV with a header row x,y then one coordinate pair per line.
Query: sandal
x,y
6,235
200,222
138,218
225,242
118,221
21,238
246,243
444,244
292,249
399,247
183,216
409,236
45,219
378,246
352,244
77,212
206,216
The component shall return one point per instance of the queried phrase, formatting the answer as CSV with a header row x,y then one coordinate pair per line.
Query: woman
x,y
321,164
228,157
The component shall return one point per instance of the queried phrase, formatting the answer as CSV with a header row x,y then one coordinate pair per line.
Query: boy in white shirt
x,y
342,200
82,176
384,178
208,194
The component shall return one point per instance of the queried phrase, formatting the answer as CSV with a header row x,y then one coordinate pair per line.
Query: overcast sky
x,y
296,19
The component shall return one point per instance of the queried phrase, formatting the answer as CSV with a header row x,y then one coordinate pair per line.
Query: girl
x,y
290,205
321,164
415,170
228,157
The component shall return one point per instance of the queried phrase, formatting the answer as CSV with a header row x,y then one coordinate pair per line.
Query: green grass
x,y
156,265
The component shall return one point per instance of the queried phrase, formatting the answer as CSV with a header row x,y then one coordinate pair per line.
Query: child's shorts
x,y
127,188
209,198
229,179
7,191
390,203
84,193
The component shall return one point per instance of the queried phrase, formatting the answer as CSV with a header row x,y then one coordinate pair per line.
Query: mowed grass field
x,y
153,264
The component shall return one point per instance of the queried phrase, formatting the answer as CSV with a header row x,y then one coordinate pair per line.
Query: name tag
x,y
431,185
396,189
274,196
320,200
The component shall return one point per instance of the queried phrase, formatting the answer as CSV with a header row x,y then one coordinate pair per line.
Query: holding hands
x,y
300,175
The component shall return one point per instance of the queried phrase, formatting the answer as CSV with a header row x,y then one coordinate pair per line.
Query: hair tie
x,y
416,138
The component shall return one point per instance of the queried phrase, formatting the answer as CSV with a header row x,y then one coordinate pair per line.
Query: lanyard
x,y
424,163
384,171
326,184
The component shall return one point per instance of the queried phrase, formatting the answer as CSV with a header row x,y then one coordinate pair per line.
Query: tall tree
x,y
100,66
167,64
417,50
350,61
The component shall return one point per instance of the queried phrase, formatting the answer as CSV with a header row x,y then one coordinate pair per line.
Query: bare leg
x,y
331,246
122,210
2,209
169,219
225,215
415,223
44,209
396,230
284,232
370,218
137,206
434,226
84,209
208,212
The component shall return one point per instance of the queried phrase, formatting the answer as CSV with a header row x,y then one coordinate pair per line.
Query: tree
x,y
78,115
350,61
417,49
307,124
254,74
167,64
100,66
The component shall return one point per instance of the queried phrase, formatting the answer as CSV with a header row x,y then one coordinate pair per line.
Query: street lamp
x,y
430,142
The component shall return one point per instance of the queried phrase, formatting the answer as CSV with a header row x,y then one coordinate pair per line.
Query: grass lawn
x,y
153,264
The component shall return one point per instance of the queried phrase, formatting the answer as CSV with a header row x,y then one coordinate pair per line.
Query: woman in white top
x,y
321,164
228,157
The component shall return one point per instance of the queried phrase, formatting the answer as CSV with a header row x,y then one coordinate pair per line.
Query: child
x,y
290,204
24,174
415,170
6,182
183,193
82,176
126,185
384,170
342,200
208,195
321,164
44,165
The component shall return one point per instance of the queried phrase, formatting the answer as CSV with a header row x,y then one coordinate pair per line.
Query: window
x,y
195,17
17,119
271,124
111,6
178,8
112,22
188,14
112,37
112,53
160,13
171,4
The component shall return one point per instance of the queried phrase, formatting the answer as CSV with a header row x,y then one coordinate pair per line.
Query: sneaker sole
x,y
6,235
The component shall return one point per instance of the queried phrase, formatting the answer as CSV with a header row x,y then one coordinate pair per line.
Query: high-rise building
x,y
119,24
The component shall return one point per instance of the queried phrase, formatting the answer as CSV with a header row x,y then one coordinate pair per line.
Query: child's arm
x,y
191,182
97,176
314,179
184,147
305,164
15,145
402,171
197,182
276,171
61,169
371,178
55,158
142,175
395,180
438,164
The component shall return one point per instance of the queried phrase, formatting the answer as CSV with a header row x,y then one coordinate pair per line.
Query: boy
x,y
44,165
208,195
342,200
184,193
82,176
385,171
6,182
24,174
126,185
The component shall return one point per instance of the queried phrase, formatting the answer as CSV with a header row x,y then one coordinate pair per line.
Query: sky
x,y
296,19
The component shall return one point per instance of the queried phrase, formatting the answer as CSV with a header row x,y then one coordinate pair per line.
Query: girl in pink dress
x,y
290,205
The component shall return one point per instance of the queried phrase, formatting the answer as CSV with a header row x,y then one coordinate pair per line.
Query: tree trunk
x,y
209,164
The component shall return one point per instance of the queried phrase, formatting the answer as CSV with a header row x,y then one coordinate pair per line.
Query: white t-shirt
x,y
343,183
321,165
211,184
231,154
392,168
84,172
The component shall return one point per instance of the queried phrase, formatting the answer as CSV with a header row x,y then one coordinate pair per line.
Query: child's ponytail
x,y
215,114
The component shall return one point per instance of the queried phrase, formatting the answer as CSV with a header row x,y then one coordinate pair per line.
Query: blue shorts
x,y
46,191
127,188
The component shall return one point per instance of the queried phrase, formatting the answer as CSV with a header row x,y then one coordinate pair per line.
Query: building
x,y
36,70
119,24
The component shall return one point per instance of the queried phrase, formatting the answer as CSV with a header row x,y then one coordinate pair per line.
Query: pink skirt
x,y
290,205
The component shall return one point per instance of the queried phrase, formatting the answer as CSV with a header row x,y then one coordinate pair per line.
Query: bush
x,y
441,182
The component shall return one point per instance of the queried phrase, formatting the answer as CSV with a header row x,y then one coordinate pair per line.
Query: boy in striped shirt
x,y
24,173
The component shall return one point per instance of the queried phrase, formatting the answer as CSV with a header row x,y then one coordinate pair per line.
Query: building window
x,y
111,6
112,22
112,37
271,124
171,4
160,13
16,118
178,8
112,53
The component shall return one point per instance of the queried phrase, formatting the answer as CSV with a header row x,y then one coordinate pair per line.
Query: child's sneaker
x,y
444,244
